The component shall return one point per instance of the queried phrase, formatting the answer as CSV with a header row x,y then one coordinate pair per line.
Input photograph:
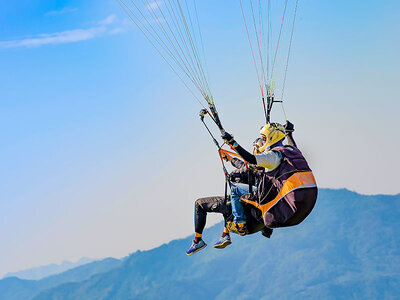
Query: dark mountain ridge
x,y
348,248
14,288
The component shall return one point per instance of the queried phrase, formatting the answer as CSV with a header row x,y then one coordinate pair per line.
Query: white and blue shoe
x,y
223,242
196,247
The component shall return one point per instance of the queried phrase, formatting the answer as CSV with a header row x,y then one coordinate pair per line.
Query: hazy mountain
x,y
37,273
348,248
13,288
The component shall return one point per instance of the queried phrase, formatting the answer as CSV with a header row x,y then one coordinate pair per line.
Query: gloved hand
x,y
233,177
228,138
289,127
202,113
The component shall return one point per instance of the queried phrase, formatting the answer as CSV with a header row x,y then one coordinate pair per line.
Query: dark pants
x,y
218,205
283,215
203,206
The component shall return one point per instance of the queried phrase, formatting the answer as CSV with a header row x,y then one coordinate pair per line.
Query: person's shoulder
x,y
271,152
283,148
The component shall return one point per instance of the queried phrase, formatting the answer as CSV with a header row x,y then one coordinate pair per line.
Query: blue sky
x,y
97,132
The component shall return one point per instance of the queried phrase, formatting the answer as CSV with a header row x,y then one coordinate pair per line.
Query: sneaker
x,y
196,247
235,228
223,242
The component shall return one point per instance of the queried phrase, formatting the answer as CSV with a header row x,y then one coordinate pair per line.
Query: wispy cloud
x,y
62,11
69,36
109,20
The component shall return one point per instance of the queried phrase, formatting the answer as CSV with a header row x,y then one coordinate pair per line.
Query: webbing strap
x,y
298,180
221,151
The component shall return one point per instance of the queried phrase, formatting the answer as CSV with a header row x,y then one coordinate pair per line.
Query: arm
x,y
240,175
290,140
289,128
268,159
247,156
250,158
237,163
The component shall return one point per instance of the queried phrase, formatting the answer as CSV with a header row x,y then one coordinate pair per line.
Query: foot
x,y
196,247
223,242
239,229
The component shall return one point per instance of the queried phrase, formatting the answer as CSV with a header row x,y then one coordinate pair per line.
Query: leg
x,y
202,207
205,205
237,191
225,240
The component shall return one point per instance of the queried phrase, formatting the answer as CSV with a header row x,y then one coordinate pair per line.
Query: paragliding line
x,y
270,101
265,111
251,48
202,113
288,57
277,48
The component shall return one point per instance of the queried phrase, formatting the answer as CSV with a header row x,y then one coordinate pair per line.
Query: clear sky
x,y
101,149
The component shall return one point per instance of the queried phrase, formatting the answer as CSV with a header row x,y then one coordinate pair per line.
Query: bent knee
x,y
202,201
199,202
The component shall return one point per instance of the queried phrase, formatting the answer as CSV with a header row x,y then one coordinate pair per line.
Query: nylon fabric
x,y
287,184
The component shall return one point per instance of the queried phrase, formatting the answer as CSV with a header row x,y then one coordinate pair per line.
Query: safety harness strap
x,y
299,180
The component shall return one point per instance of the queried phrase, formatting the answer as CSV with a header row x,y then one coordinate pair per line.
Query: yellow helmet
x,y
273,132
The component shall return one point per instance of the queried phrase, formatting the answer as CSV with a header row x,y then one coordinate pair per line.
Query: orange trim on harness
x,y
228,152
296,181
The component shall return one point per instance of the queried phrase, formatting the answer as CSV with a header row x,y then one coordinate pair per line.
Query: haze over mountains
x,y
348,248
37,273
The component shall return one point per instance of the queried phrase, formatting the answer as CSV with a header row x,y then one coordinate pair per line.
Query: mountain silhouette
x,y
348,248
37,273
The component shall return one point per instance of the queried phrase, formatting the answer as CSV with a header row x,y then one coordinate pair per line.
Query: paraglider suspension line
x,y
212,136
265,110
203,112
270,101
